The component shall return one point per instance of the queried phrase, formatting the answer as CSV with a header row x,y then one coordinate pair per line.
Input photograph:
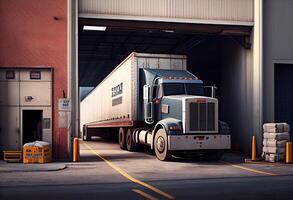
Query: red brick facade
x,y
33,33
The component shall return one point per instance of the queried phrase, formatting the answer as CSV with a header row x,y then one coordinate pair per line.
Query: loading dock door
x,y
284,94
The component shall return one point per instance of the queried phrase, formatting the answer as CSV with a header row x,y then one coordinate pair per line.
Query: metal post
x,y
289,152
253,149
76,154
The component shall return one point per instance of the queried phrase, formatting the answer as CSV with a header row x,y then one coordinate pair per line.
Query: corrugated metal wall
x,y
277,47
217,11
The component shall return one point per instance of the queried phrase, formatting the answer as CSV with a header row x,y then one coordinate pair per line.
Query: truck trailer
x,y
151,99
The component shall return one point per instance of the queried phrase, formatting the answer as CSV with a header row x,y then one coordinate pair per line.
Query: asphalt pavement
x,y
106,172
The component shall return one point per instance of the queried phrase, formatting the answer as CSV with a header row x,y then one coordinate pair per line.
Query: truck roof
x,y
175,75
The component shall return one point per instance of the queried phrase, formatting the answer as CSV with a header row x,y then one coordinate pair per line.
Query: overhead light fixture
x,y
94,28
168,31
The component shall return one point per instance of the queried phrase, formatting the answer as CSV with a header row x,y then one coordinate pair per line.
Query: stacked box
x,y
37,152
275,137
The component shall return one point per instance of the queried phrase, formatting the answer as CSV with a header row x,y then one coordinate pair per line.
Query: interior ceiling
x,y
99,52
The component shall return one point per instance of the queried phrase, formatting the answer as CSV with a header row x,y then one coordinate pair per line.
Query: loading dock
x,y
218,54
211,25
226,46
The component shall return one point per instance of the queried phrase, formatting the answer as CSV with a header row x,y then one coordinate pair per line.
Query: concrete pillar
x,y
257,97
73,92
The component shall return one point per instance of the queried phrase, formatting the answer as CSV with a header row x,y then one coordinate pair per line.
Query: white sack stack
x,y
275,137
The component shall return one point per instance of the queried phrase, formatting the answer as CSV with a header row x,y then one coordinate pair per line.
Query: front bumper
x,y
199,142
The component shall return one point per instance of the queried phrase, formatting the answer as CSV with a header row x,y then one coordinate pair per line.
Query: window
x,y
173,89
182,88
157,91
194,89
10,74
155,88
36,75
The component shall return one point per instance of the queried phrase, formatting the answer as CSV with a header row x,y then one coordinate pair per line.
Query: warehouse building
x,y
47,53
34,73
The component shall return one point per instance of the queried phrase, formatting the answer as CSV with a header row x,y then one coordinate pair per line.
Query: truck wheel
x,y
130,144
161,145
121,138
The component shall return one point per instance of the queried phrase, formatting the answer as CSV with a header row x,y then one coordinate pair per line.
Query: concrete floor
x,y
106,172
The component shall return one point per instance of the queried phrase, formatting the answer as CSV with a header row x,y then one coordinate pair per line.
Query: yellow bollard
x,y
289,152
253,149
76,156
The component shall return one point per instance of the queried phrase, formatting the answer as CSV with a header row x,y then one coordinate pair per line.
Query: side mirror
x,y
148,114
148,105
146,93
212,90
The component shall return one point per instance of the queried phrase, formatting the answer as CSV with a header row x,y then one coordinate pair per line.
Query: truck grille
x,y
202,116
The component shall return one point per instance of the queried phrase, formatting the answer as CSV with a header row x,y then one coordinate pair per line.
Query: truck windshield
x,y
173,89
182,88
194,89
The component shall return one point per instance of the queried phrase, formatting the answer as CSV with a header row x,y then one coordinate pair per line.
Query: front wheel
x,y
161,145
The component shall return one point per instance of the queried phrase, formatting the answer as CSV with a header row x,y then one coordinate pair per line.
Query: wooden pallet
x,y
12,156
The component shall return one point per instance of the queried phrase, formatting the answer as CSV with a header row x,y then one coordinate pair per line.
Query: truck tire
x,y
130,144
161,145
121,138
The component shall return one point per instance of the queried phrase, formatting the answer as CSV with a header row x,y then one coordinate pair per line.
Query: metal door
x,y
9,128
9,110
284,94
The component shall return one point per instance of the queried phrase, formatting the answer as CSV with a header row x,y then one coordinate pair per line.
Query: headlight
x,y
175,127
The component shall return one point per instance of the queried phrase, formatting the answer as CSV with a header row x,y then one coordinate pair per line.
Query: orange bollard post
x,y
76,155
253,149
289,152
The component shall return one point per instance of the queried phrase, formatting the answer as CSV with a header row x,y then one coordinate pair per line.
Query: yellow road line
x,y
129,177
105,151
147,196
251,170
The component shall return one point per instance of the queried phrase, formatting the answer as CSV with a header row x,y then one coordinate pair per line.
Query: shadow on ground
x,y
109,149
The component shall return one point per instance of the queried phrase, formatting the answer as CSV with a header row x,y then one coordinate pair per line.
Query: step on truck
x,y
151,99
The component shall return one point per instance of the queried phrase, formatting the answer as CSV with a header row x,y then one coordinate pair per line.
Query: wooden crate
x,y
37,155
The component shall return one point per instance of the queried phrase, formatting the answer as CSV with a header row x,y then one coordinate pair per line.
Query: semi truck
x,y
151,99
